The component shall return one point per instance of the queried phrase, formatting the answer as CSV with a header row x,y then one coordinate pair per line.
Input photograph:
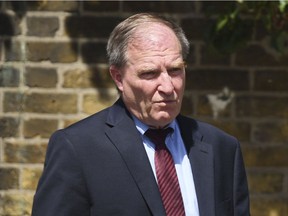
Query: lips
x,y
166,101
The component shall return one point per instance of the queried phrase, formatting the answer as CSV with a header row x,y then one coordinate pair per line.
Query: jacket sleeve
x,y
61,189
240,187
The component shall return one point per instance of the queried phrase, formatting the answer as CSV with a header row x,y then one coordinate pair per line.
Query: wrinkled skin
x,y
153,79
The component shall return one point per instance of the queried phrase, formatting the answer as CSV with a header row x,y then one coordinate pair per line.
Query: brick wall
x,y
53,72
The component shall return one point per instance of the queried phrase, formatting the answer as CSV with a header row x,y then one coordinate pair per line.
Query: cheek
x,y
144,89
135,90
179,85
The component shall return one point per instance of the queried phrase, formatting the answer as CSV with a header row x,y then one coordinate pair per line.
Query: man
x,y
108,164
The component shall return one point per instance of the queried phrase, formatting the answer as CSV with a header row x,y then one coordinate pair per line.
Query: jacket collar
x,y
202,162
126,138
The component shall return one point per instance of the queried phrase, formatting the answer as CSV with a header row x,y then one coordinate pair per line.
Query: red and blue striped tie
x,y
166,173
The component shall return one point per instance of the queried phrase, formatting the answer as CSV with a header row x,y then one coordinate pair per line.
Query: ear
x,y
116,76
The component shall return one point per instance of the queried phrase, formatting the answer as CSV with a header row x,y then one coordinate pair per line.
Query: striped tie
x,y
166,173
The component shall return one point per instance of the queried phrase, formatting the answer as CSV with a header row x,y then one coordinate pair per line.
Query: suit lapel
x,y
126,138
201,158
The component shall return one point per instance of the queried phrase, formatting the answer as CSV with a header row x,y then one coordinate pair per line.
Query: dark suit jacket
x,y
99,166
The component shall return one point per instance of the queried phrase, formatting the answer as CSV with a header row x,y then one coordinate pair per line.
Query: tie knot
x,y
158,136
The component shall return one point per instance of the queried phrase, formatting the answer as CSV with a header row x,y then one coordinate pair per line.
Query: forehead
x,y
151,36
153,40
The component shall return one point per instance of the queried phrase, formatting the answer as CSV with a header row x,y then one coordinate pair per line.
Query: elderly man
x,y
140,157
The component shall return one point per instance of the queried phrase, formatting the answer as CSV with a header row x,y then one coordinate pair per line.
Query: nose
x,y
166,85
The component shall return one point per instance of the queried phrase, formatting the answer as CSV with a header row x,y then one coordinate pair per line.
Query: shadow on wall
x,y
94,31
9,22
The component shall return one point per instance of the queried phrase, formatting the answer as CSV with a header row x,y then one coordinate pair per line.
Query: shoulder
x,y
93,120
93,125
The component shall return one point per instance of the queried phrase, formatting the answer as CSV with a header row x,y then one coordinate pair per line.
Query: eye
x,y
175,71
148,74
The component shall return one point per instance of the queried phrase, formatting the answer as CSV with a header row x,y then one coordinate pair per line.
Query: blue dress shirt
x,y
176,147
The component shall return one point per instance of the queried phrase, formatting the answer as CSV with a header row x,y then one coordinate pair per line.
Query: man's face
x,y
152,82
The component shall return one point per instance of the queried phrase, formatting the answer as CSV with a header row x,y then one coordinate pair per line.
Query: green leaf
x,y
282,5
221,24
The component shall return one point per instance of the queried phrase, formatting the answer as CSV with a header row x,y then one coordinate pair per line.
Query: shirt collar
x,y
142,127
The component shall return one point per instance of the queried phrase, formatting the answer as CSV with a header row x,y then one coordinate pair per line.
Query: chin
x,y
164,120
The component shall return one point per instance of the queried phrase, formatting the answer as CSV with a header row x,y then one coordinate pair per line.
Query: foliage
x,y
240,20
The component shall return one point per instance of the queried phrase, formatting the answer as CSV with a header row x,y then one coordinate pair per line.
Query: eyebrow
x,y
178,64
154,68
149,68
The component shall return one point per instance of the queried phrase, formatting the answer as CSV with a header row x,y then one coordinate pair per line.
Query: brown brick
x,y
5,23
41,77
259,121
40,103
101,6
69,6
42,26
17,6
188,105
217,79
30,177
264,182
86,78
51,103
96,102
77,78
16,204
13,51
2,48
271,132
68,122
94,52
159,6
217,7
266,156
262,106
101,78
9,178
24,153
240,130
255,55
56,52
271,207
271,80
191,58
9,24
9,77
210,56
195,28
39,128
9,127
90,26
13,102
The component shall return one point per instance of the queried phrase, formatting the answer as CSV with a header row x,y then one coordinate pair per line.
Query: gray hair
x,y
123,32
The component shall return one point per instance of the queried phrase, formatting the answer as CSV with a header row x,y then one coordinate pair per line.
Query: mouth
x,y
167,102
